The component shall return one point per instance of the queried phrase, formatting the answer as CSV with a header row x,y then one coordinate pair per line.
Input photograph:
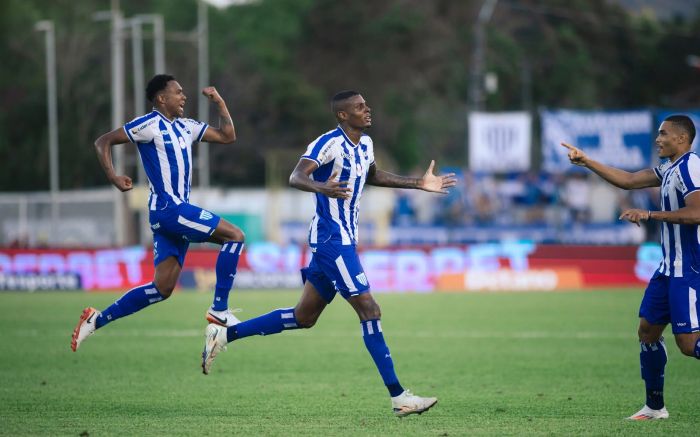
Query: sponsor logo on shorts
x,y
362,278
681,324
205,215
155,226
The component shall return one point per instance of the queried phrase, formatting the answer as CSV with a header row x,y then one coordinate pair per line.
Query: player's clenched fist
x,y
211,93
576,155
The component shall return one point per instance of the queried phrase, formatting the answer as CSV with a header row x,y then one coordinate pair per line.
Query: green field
x,y
501,364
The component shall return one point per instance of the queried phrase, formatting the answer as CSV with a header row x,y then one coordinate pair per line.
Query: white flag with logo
x,y
499,141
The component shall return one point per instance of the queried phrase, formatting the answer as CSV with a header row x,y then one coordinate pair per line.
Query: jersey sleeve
x,y
197,128
140,130
689,176
321,150
370,150
660,169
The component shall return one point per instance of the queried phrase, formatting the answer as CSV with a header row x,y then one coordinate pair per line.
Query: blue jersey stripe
x,y
185,159
170,153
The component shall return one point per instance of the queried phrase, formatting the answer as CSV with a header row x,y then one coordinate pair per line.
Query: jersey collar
x,y
347,138
164,117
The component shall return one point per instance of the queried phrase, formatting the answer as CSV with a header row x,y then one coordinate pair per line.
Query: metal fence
x,y
82,218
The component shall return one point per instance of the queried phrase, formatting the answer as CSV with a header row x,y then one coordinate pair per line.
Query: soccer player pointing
x,y
672,293
164,140
336,167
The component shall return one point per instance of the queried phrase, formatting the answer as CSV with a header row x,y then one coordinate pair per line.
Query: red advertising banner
x,y
478,267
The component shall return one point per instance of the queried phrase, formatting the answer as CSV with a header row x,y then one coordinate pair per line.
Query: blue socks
x,y
652,359
271,323
132,301
374,341
226,265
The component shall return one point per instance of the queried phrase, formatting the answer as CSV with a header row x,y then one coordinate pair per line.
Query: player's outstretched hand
x,y
212,94
124,183
576,155
436,184
635,216
336,189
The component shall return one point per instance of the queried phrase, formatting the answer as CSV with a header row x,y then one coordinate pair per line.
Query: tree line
x,y
278,62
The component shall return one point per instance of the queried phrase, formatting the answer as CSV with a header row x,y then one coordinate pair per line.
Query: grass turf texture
x,y
501,364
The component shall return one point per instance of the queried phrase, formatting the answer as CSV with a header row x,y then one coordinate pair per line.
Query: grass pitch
x,y
501,364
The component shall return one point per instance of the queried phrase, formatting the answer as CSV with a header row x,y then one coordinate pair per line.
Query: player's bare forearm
x,y
683,216
104,156
303,182
615,176
226,132
623,179
103,147
226,123
381,178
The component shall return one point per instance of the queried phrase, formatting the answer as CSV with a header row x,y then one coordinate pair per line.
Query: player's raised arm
x,y
429,182
301,180
226,132
620,178
103,147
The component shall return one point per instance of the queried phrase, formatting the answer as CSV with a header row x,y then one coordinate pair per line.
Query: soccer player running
x,y
164,139
335,167
671,296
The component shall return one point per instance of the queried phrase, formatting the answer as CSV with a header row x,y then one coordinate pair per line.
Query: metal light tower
x,y
47,26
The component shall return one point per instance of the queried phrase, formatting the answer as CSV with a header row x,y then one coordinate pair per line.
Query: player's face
x,y
668,140
174,99
357,113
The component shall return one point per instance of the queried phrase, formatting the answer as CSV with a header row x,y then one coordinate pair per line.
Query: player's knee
x,y
165,290
687,347
647,336
305,321
237,235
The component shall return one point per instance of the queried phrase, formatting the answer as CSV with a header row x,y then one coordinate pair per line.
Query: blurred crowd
x,y
524,199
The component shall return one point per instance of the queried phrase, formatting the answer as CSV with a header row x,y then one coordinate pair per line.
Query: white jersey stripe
x,y
678,259
692,305
165,169
194,225
345,274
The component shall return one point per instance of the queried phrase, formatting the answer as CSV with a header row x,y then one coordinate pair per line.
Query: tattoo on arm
x,y
382,178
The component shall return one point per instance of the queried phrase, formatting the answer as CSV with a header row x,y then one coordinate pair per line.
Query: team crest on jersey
x,y
359,168
183,143
205,215
362,279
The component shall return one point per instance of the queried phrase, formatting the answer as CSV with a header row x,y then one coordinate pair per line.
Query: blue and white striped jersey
x,y
336,219
680,244
166,152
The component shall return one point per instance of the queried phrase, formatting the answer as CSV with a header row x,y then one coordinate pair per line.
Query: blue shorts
x,y
175,227
335,268
672,300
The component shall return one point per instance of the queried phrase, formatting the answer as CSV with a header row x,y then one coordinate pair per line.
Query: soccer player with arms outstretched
x,y
672,293
164,140
335,167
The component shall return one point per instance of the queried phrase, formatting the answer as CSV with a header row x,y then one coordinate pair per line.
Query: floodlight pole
x,y
476,86
47,26
202,81
117,48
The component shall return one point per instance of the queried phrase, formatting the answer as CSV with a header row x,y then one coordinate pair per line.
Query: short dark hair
x,y
340,97
685,123
156,85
